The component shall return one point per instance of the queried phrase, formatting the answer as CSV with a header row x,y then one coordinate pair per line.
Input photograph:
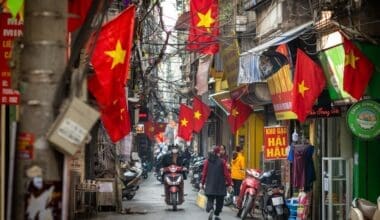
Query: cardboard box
x,y
70,130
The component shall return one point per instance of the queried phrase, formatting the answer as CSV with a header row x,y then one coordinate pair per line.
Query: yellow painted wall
x,y
252,130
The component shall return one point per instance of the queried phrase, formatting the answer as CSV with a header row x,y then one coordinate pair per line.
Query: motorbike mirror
x,y
267,174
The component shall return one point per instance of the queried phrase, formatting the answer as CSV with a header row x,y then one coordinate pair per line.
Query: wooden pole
x,y
2,165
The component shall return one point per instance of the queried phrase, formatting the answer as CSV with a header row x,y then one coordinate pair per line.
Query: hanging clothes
x,y
310,169
303,174
299,166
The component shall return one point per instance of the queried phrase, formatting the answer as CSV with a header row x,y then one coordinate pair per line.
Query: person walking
x,y
223,154
237,170
215,179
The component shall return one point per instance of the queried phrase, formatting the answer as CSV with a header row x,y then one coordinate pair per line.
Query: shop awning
x,y
222,100
183,22
281,38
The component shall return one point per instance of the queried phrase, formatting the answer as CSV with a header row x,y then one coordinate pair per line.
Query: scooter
x,y
271,196
131,180
362,209
229,198
158,168
145,170
173,183
248,192
197,174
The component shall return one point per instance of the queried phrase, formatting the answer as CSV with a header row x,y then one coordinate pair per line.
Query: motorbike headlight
x,y
270,193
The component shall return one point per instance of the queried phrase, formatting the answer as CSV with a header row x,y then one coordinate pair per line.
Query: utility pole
x,y
43,60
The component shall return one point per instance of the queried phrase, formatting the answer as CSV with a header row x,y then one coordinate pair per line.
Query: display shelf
x,y
336,188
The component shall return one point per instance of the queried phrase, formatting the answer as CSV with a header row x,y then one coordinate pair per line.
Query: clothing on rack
x,y
301,157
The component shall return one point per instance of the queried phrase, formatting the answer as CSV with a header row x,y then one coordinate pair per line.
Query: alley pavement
x,y
149,204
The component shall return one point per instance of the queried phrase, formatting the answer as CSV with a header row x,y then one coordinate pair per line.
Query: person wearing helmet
x,y
173,157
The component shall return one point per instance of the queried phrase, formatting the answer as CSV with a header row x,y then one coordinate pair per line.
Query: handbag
x,y
201,199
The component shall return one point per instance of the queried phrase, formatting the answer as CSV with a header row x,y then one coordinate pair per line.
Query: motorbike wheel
x,y
247,207
129,197
145,175
284,216
173,198
228,200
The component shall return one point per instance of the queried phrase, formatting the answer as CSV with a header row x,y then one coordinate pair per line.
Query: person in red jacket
x,y
215,179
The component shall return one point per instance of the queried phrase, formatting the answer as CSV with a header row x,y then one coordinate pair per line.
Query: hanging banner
x,y
275,142
230,57
10,28
280,88
332,62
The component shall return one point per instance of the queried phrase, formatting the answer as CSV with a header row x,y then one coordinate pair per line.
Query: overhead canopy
x,y
222,100
281,38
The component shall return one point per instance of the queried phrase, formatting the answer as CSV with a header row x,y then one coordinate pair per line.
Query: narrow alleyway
x,y
148,204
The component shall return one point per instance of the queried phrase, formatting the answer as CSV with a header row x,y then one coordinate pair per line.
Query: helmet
x,y
254,172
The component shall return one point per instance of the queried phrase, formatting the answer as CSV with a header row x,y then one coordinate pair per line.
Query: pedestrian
x,y
223,154
215,180
237,171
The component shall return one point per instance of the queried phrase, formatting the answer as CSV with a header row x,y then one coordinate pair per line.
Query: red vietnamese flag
x,y
160,126
185,122
238,115
200,115
204,28
79,10
309,82
111,56
150,129
358,70
115,118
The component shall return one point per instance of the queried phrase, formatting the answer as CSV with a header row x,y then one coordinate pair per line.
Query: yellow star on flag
x,y
350,59
184,122
118,55
205,20
235,112
151,129
197,115
121,113
302,88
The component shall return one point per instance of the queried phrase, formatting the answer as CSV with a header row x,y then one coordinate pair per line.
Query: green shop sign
x,y
363,119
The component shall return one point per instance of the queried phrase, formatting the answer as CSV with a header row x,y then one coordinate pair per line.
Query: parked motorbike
x,y
145,170
362,209
173,183
265,191
197,174
131,180
248,191
229,198
271,197
158,168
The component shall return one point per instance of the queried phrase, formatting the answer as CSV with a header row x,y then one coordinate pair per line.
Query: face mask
x,y
175,151
38,182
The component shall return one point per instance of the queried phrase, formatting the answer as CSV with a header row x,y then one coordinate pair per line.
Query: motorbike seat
x,y
366,207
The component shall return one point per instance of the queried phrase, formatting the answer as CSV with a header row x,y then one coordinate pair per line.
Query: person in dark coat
x,y
215,179
174,157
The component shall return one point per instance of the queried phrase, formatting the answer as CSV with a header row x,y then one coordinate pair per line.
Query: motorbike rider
x,y
173,158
